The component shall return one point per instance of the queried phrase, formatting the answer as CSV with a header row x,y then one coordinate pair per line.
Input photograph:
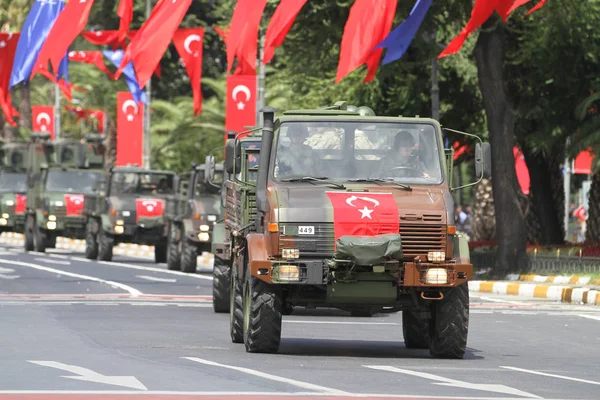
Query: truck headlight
x,y
204,236
436,276
51,217
5,215
120,222
212,218
288,273
204,228
436,256
51,225
3,221
58,203
119,229
10,203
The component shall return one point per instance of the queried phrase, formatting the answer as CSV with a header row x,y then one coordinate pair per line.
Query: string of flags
x,y
52,27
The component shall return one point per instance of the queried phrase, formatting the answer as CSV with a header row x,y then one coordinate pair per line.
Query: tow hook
x,y
432,295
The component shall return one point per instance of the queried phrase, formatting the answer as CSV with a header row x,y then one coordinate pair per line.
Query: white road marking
x,y
6,270
80,259
455,383
129,289
7,253
495,300
590,316
5,273
87,375
152,278
340,322
300,384
59,256
49,261
568,378
164,271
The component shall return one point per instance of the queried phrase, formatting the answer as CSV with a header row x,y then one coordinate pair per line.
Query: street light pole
x,y
56,112
147,118
260,98
435,91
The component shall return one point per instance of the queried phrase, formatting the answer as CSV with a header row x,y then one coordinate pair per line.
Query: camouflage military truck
x,y
131,207
13,186
363,225
190,230
60,173
220,245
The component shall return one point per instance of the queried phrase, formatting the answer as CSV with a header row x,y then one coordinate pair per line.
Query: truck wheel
x,y
28,235
39,239
415,331
51,242
174,250
221,278
160,253
449,325
105,247
236,310
189,257
262,317
91,242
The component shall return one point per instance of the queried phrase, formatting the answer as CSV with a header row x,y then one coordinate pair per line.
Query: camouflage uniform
x,y
392,161
295,162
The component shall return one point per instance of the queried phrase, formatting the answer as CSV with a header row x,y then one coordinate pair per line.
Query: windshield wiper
x,y
379,181
314,179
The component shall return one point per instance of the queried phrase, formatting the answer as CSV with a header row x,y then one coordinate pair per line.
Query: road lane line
x,y
152,278
49,261
164,271
494,300
340,322
590,316
134,292
59,256
80,259
300,384
568,378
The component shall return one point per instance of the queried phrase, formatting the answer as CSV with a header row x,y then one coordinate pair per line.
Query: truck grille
x,y
10,210
60,212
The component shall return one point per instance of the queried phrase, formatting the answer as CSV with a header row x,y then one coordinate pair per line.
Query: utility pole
x,y
147,119
56,111
435,90
260,83
567,188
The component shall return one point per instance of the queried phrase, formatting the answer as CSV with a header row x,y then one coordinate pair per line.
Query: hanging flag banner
x,y
102,38
240,107
90,57
132,82
280,25
125,13
242,36
8,48
188,43
130,130
42,119
521,170
583,162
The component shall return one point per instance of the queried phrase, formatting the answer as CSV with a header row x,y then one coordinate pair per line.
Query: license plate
x,y
306,230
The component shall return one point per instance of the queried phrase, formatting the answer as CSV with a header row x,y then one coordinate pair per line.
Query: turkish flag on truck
x,y
364,214
21,203
240,108
74,204
148,208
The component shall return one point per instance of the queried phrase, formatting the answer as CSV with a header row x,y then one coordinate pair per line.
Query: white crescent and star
x,y
126,105
43,116
366,212
189,40
244,89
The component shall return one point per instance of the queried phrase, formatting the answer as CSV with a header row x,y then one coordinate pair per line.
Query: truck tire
x,y
91,241
51,242
449,326
105,247
415,331
236,309
39,239
28,235
160,253
221,286
174,250
189,256
262,317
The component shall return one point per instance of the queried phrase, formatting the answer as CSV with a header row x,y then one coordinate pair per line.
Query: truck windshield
x,y
13,182
345,151
72,181
141,183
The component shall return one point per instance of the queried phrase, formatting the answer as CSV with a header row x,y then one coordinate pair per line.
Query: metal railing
x,y
544,264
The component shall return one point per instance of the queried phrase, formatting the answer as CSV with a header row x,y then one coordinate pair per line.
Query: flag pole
x,y
260,82
56,112
147,109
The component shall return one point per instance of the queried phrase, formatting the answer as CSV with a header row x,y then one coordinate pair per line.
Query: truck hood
x,y
304,203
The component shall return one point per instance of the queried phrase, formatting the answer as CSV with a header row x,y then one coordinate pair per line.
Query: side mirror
x,y
483,160
229,155
209,169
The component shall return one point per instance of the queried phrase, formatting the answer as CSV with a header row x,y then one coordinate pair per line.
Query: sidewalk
x,y
566,289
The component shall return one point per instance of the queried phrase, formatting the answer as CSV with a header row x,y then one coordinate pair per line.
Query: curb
x,y
560,279
565,294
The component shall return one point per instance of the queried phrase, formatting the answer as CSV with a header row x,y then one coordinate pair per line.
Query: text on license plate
x,y
306,230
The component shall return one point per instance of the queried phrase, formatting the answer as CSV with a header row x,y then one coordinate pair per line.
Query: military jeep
x,y
13,186
362,222
131,207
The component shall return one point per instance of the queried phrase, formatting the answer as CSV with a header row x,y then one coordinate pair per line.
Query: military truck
x,y
59,174
129,207
13,187
220,246
190,230
364,225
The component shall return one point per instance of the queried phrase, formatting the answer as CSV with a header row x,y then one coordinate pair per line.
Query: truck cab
x,y
13,187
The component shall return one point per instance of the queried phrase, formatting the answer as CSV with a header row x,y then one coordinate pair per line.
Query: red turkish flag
x,y
242,36
74,204
70,23
280,25
369,22
364,214
240,109
521,170
21,203
99,116
583,162
91,57
519,3
130,130
149,44
125,13
188,43
101,38
145,208
8,47
42,119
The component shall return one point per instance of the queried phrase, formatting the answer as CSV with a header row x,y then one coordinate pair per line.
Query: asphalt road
x,y
75,329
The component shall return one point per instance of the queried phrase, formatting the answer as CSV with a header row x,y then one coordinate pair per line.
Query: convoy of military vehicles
x,y
332,207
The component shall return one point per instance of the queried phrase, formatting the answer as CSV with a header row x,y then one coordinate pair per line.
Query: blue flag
x,y
132,82
399,39
39,21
